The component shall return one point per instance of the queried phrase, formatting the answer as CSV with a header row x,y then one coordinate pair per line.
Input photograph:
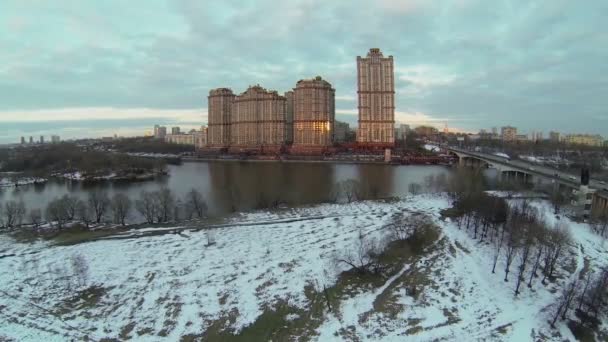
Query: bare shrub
x,y
13,213
406,227
364,256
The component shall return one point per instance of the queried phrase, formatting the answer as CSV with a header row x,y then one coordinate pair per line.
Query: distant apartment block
x,y
426,131
258,120
341,130
160,132
42,139
193,138
508,133
55,139
175,130
554,136
584,139
402,131
536,136
219,117
22,140
376,97
314,114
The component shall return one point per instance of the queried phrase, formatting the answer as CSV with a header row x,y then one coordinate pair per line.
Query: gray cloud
x,y
533,64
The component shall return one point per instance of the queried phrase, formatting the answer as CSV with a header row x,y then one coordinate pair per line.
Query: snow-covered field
x,y
171,285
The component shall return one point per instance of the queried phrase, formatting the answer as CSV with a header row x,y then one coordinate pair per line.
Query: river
x,y
245,183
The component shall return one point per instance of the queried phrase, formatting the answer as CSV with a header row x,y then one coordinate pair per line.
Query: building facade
x,y
584,139
376,97
258,120
313,114
341,130
289,99
508,133
219,112
198,139
554,136
160,132
175,130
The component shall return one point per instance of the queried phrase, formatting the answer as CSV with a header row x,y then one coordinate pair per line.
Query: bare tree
x,y
35,217
55,213
564,301
121,206
13,213
510,248
146,206
558,240
498,243
195,204
351,189
99,203
84,213
164,202
69,204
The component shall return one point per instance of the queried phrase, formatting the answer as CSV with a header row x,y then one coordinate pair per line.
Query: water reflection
x,y
229,186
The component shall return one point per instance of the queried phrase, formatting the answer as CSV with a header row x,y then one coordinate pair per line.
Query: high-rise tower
x,y
314,114
219,117
376,95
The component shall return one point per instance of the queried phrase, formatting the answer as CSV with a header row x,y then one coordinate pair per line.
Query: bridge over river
x,y
521,170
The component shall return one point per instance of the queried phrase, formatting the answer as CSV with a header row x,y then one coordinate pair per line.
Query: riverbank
x,y
377,161
271,275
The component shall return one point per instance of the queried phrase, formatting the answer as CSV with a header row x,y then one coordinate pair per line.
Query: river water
x,y
229,186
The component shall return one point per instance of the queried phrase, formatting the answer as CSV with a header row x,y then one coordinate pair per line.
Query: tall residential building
x,y
508,133
42,139
584,139
289,100
22,140
55,139
554,136
160,132
258,119
175,130
314,114
219,117
376,96
340,131
31,139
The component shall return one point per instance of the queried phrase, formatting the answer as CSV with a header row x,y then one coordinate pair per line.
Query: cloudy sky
x,y
81,68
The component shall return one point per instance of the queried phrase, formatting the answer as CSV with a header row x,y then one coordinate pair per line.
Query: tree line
x,y
45,160
98,207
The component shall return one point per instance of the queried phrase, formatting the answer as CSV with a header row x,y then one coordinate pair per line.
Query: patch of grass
x,y
83,299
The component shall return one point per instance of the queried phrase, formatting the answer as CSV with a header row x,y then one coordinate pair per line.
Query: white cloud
x,y
103,113
345,98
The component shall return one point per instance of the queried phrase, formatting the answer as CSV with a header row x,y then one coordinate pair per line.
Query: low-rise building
x,y
554,136
194,138
509,133
584,139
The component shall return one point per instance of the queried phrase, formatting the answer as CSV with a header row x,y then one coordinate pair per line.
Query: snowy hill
x,y
269,269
